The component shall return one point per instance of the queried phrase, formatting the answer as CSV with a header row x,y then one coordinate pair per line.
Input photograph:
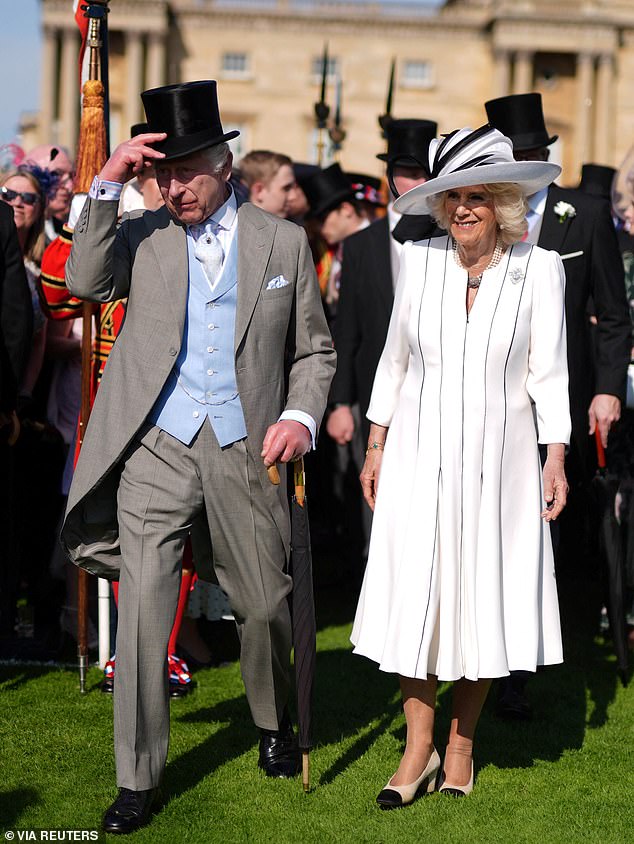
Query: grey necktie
x,y
210,253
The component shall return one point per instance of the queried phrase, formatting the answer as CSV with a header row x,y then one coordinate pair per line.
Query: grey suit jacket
x,y
283,351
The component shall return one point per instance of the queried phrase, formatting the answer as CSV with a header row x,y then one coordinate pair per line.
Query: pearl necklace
x,y
473,282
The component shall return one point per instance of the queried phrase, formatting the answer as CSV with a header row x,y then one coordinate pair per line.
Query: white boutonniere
x,y
564,210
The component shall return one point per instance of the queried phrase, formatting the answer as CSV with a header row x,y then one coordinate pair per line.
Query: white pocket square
x,y
571,255
278,281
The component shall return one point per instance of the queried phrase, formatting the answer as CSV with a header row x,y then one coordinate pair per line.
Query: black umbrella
x,y
613,557
302,612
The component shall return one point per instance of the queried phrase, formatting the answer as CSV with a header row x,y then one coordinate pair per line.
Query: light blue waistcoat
x,y
203,381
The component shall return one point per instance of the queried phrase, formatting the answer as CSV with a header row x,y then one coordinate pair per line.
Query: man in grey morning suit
x,y
222,368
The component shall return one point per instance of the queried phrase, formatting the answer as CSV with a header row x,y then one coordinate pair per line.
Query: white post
x,y
103,604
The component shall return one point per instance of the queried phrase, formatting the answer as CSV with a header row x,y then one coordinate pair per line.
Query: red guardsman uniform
x,y
59,304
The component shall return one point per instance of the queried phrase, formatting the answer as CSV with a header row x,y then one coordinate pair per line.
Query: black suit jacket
x,y
596,276
16,312
366,296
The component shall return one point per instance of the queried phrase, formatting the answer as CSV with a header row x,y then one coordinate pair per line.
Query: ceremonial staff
x,y
386,119
336,132
321,109
91,156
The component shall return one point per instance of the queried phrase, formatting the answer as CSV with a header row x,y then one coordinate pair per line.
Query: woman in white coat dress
x,y
460,581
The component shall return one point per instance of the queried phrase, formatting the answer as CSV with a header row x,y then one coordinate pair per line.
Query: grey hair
x,y
217,156
509,205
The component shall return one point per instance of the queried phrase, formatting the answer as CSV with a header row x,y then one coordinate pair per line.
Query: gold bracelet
x,y
373,447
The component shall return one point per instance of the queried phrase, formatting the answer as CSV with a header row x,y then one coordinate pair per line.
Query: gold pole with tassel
x,y
91,156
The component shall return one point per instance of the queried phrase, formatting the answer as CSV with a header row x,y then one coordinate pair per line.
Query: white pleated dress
x,y
460,580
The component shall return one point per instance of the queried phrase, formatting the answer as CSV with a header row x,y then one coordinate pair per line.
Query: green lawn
x,y
567,776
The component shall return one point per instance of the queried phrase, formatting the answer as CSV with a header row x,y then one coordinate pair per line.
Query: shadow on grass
x,y
236,736
14,676
14,803
353,697
355,703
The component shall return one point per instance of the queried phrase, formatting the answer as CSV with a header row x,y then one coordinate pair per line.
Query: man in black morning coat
x,y
579,227
368,277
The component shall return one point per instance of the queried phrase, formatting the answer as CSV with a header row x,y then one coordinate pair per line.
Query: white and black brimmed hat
x,y
474,157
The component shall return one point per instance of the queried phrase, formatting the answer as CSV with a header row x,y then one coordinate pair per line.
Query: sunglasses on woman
x,y
27,197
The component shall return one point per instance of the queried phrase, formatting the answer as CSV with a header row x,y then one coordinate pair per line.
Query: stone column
x,y
502,78
584,146
523,83
134,74
155,60
48,87
603,128
69,90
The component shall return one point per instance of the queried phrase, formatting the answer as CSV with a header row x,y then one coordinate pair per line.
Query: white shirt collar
x,y
222,218
393,216
537,201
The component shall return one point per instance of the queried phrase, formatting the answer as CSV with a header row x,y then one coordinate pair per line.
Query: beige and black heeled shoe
x,y
455,790
396,796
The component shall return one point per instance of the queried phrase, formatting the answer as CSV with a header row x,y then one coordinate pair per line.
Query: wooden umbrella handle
x,y
299,479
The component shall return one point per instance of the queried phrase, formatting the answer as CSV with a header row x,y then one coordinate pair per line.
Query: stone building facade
x,y
267,58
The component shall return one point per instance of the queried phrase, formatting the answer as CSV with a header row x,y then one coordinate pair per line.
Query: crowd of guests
x,y
358,232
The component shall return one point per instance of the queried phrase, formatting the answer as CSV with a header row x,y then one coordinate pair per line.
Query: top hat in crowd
x,y
189,114
467,157
327,189
596,179
521,118
408,142
366,188
304,171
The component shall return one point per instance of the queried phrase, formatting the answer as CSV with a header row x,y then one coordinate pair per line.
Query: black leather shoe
x,y
130,811
279,753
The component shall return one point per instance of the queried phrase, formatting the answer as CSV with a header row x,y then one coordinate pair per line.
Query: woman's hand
x,y
555,483
369,476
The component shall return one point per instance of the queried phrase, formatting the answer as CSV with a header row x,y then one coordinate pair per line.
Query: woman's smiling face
x,y
471,214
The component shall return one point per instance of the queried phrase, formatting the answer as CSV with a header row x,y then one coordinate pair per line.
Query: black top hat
x,y
304,171
596,179
521,118
327,189
189,114
366,188
138,129
408,142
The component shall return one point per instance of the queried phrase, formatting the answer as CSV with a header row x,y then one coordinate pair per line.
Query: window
x,y
327,151
417,74
317,68
235,65
239,145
